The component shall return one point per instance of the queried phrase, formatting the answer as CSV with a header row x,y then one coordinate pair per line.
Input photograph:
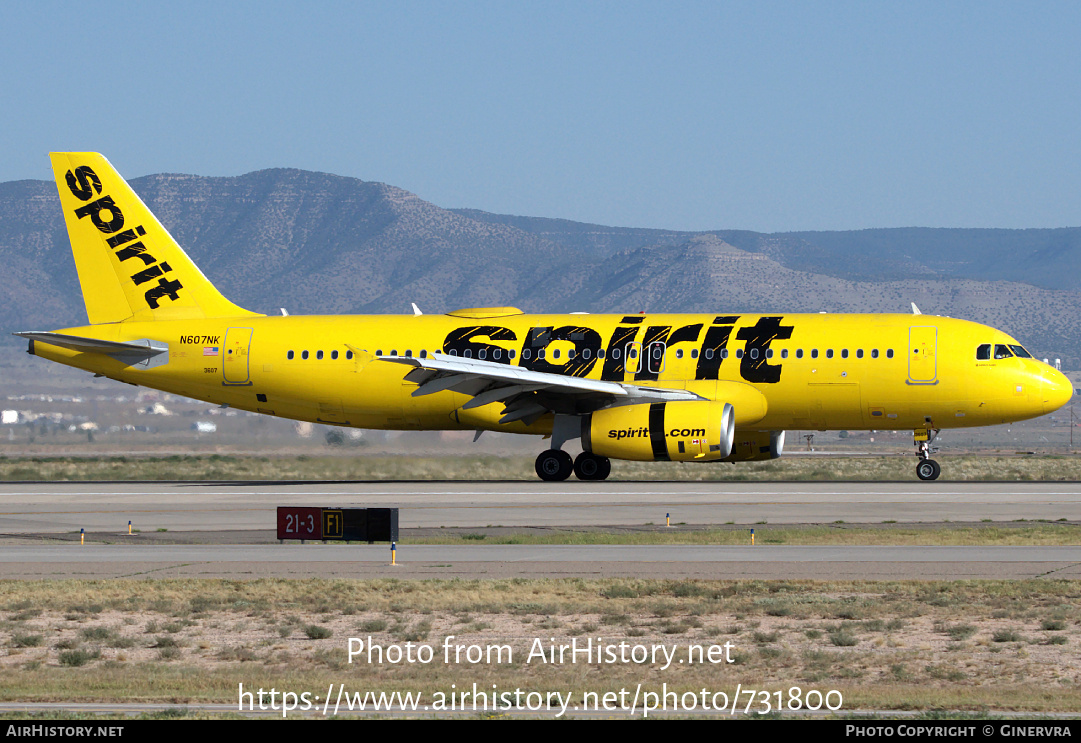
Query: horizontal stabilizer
x,y
129,352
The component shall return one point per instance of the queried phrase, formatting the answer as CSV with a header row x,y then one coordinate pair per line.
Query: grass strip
x,y
1013,534
411,468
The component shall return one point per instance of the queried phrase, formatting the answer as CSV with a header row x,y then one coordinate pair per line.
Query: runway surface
x,y
502,561
63,508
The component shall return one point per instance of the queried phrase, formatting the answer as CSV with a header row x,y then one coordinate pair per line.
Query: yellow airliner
x,y
672,387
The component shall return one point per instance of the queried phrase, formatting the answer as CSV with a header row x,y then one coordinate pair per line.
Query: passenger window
x,y
497,354
555,354
319,355
679,353
874,353
348,354
859,353
395,352
289,355
468,353
709,353
423,354
453,352
585,353
739,353
481,354
540,354
615,353
600,354
784,353
526,353
889,353
724,353
510,354
769,353
814,353
799,353
844,353
983,352
334,354
570,354
304,355
829,353
694,353
754,353
1002,352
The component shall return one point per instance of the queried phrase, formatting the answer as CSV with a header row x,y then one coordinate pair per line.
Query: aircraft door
x,y
655,360
923,355
234,356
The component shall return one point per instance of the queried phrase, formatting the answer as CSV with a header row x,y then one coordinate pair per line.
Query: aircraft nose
x,y
1057,391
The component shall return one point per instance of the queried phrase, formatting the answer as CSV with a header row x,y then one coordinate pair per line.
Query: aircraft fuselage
x,y
817,371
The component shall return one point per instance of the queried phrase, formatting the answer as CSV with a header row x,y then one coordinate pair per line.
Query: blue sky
x,y
759,115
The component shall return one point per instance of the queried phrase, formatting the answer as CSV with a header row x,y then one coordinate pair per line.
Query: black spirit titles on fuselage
x,y
645,357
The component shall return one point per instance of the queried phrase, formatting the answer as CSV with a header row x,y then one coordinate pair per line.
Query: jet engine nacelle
x,y
686,431
751,446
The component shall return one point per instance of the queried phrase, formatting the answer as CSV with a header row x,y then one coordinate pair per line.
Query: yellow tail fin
x,y
130,267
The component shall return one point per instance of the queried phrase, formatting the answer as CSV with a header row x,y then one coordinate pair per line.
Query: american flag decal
x,y
210,350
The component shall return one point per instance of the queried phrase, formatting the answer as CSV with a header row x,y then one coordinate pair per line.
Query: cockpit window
x,y
1020,352
1002,352
983,352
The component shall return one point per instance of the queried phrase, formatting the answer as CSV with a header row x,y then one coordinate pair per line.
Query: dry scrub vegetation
x,y
984,645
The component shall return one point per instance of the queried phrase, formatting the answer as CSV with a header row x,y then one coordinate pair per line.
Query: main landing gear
x,y
591,467
927,468
555,465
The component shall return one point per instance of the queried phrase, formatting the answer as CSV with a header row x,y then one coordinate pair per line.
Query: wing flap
x,y
489,382
505,373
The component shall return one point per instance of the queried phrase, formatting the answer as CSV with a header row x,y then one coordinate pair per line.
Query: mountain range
x,y
316,243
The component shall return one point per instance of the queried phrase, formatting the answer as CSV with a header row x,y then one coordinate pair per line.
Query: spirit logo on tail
x,y
83,183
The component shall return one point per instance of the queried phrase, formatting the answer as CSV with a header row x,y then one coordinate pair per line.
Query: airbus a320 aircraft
x,y
673,387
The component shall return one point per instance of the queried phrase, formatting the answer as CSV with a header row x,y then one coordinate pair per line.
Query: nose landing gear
x,y
927,468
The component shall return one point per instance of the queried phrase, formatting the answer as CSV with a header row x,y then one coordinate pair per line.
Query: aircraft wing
x,y
526,394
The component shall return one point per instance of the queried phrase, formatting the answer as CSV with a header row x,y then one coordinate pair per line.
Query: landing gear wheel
x,y
554,465
606,468
591,467
928,469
